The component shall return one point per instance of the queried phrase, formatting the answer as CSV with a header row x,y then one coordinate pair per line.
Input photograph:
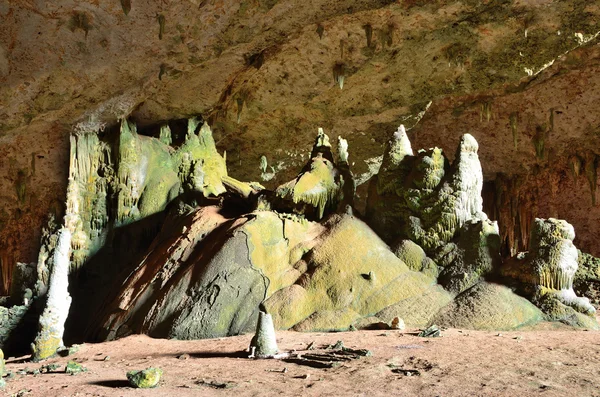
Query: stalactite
x,y
126,5
320,30
514,120
539,142
591,174
368,33
486,111
240,106
161,25
339,70
575,164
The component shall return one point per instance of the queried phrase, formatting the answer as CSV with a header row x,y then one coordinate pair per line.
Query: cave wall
x,y
521,76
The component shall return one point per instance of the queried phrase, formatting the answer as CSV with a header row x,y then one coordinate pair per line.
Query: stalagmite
x,y
52,321
548,268
264,343
319,185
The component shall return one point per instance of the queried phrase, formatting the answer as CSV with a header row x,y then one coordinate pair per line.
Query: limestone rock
x,y
417,311
145,379
475,254
546,272
353,274
317,190
421,197
74,368
310,276
264,343
17,329
587,278
488,306
415,258
52,321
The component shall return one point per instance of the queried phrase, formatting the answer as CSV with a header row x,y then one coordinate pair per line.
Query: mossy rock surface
x,y
352,274
415,258
555,310
488,306
145,379
417,311
74,368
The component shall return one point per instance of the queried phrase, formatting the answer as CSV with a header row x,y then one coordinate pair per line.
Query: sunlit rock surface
x,y
520,76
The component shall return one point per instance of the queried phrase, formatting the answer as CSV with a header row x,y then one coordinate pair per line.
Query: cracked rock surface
x,y
521,76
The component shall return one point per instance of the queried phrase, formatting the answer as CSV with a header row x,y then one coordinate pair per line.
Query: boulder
x,y
488,306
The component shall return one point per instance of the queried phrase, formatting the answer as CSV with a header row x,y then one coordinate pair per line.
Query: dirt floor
x,y
553,361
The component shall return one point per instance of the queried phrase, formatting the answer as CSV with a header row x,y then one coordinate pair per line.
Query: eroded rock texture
x,y
520,76
159,239
547,272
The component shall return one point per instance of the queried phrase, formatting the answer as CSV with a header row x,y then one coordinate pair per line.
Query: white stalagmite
x,y
342,150
52,321
468,181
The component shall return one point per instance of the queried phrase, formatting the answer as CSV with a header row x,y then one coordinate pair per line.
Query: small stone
x,y
183,356
145,379
2,383
397,323
74,368
107,358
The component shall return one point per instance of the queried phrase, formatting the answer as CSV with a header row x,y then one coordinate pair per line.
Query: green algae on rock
x,y
319,186
145,379
74,368
546,273
438,207
488,306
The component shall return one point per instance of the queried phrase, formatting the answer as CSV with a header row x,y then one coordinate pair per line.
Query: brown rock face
x,y
521,76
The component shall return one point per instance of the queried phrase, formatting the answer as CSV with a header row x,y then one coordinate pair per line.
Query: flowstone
x,y
547,271
202,266
319,188
438,206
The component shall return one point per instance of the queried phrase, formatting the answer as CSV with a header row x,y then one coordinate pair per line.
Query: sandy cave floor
x,y
550,361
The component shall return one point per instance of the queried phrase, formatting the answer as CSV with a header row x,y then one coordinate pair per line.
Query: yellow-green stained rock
x,y
74,368
415,258
145,379
353,275
417,311
488,306
1,363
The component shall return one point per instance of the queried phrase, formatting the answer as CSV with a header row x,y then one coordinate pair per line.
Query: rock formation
x,y
422,199
547,271
52,321
264,343
159,239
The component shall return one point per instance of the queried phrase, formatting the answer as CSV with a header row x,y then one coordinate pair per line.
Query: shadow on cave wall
x,y
97,282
